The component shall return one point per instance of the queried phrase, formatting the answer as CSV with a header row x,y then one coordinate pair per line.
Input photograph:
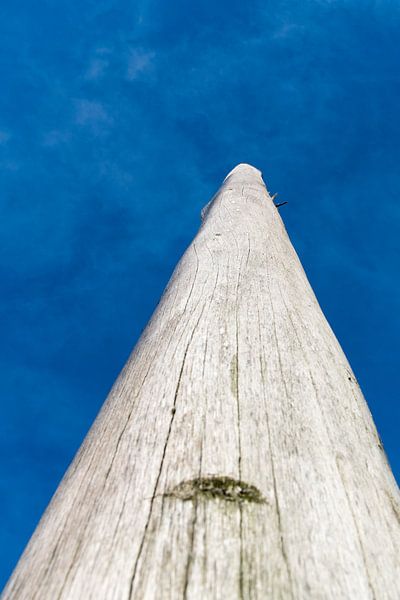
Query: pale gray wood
x,y
237,375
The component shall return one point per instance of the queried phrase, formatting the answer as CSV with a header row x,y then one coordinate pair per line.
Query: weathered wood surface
x,y
237,375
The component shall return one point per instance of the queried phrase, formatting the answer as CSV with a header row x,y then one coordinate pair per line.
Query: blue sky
x,y
118,121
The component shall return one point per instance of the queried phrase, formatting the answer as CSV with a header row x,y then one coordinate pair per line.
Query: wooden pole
x,y
235,456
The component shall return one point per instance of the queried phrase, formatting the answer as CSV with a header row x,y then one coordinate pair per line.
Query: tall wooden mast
x,y
235,456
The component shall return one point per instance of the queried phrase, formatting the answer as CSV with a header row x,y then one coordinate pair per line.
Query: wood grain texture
x,y
238,376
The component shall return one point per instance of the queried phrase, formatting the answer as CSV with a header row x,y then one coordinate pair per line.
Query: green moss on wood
x,y
223,488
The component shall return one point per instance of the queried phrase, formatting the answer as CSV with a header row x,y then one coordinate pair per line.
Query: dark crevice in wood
x,y
275,486
173,412
272,462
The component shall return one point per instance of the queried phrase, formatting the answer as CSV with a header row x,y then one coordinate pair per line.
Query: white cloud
x,y
139,61
90,112
96,69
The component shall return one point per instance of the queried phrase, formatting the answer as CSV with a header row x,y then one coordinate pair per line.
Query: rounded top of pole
x,y
244,172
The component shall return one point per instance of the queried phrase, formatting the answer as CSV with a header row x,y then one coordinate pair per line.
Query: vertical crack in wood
x,y
195,504
239,435
241,574
173,412
189,561
278,508
272,462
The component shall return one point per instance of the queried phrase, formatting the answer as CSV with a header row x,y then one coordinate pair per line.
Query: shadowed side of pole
x,y
235,456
